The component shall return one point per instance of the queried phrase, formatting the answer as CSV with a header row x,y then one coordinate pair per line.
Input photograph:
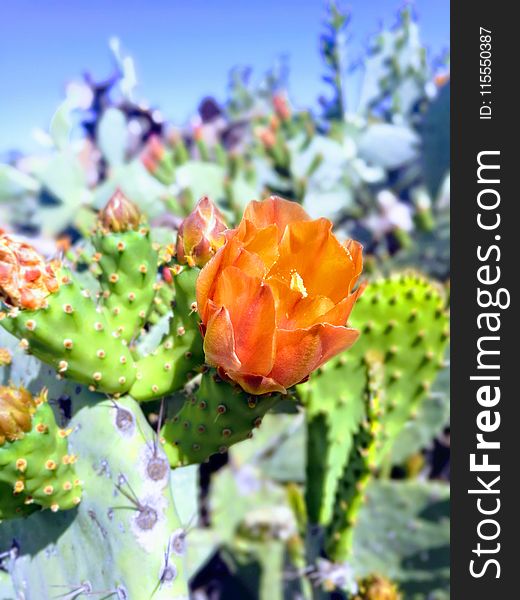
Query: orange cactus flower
x,y
275,300
25,278
200,234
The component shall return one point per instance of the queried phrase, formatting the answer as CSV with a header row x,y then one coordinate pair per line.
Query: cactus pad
x,y
179,355
213,417
128,269
35,462
76,338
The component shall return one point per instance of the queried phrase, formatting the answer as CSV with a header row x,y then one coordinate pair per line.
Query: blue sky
x,y
183,49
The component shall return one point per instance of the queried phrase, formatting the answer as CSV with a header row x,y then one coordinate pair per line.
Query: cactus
x,y
35,462
412,543
127,504
179,355
73,336
213,417
128,265
404,327
360,463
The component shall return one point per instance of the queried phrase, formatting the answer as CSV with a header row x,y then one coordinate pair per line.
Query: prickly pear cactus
x,y
125,539
75,337
360,464
35,462
128,265
179,356
214,416
404,326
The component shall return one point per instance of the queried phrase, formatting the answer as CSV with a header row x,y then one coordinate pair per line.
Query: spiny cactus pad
x,y
403,322
404,318
179,356
128,269
75,337
35,463
361,462
126,522
213,417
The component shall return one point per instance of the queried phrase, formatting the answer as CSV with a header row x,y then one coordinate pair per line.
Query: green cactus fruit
x,y
180,354
359,466
213,417
128,266
403,320
34,458
75,337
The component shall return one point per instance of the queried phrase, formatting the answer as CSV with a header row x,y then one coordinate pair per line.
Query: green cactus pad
x,y
180,354
213,417
361,461
404,318
404,323
38,468
76,338
125,539
162,301
128,270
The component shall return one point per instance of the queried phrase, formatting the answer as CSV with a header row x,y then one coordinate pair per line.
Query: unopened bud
x,y
16,409
120,214
200,234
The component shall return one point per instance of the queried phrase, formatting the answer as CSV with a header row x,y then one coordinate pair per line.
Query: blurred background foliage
x,y
378,166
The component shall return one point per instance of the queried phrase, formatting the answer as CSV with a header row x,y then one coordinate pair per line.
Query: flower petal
x,y
264,243
356,252
274,210
256,384
311,250
301,351
339,314
219,341
251,309
233,254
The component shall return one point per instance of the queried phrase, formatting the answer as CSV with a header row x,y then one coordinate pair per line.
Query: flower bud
x,y
376,587
25,278
153,153
120,214
16,409
200,234
281,106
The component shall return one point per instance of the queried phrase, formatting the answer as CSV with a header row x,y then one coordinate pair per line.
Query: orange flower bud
x,y
16,409
120,214
281,106
200,234
266,135
25,278
275,300
153,153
